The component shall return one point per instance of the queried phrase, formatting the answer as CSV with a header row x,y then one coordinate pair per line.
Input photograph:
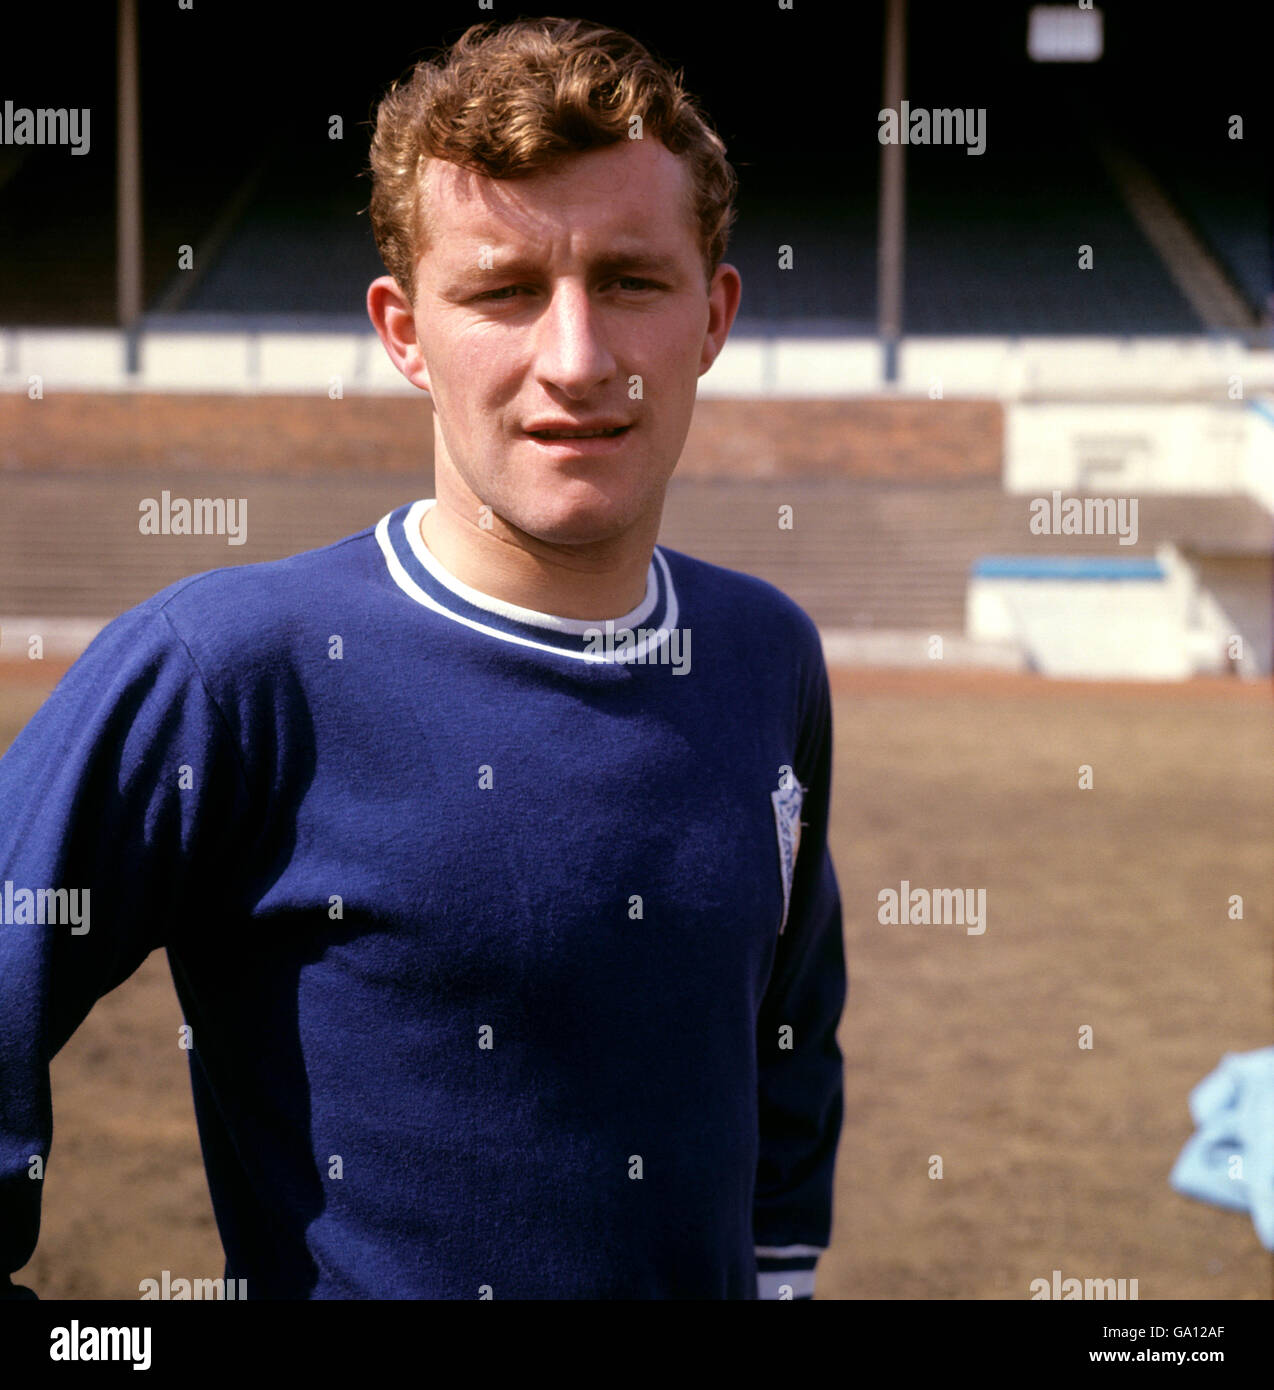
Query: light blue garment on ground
x,y
1234,1111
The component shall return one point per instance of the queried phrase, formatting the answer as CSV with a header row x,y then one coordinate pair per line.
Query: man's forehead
x,y
623,193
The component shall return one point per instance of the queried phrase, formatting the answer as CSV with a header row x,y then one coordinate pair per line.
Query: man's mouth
x,y
578,434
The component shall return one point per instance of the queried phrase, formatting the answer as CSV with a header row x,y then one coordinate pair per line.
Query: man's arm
x,y
800,1085
105,797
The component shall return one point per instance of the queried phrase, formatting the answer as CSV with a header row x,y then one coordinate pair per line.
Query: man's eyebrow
x,y
607,262
652,261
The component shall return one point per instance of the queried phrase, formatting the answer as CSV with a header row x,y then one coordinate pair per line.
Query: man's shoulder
x,y
735,596
236,614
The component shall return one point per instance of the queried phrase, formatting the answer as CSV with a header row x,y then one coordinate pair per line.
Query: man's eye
x,y
629,283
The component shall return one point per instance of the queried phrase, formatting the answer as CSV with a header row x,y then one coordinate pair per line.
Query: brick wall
x,y
880,439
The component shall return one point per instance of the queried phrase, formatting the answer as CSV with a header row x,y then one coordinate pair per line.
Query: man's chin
x,y
577,531
589,520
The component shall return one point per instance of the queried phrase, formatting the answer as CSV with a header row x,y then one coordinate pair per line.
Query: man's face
x,y
570,299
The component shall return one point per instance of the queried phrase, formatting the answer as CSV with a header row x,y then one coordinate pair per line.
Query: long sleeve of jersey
x,y
800,1076
113,800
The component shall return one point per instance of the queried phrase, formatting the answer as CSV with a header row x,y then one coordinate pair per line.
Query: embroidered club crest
x,y
787,821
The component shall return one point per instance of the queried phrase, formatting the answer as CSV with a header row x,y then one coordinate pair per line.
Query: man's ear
x,y
395,326
724,294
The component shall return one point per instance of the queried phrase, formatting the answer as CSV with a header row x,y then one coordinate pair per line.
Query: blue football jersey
x,y
509,945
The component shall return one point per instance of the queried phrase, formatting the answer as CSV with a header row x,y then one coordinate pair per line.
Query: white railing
x,y
318,362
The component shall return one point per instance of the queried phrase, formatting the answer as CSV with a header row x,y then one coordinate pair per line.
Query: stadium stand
x,y
863,553
896,496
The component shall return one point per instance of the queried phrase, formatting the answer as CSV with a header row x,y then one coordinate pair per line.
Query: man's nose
x,y
570,350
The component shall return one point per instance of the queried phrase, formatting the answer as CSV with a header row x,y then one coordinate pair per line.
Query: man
x,y
501,915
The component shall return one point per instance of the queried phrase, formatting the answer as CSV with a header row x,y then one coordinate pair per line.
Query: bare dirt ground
x,y
1105,908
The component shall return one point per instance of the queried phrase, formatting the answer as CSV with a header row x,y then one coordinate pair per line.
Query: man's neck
x,y
579,582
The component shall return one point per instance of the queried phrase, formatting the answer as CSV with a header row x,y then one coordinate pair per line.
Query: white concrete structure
x,y
1099,618
1074,368
1140,447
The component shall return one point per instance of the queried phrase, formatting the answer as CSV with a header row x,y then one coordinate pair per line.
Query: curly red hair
x,y
515,99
